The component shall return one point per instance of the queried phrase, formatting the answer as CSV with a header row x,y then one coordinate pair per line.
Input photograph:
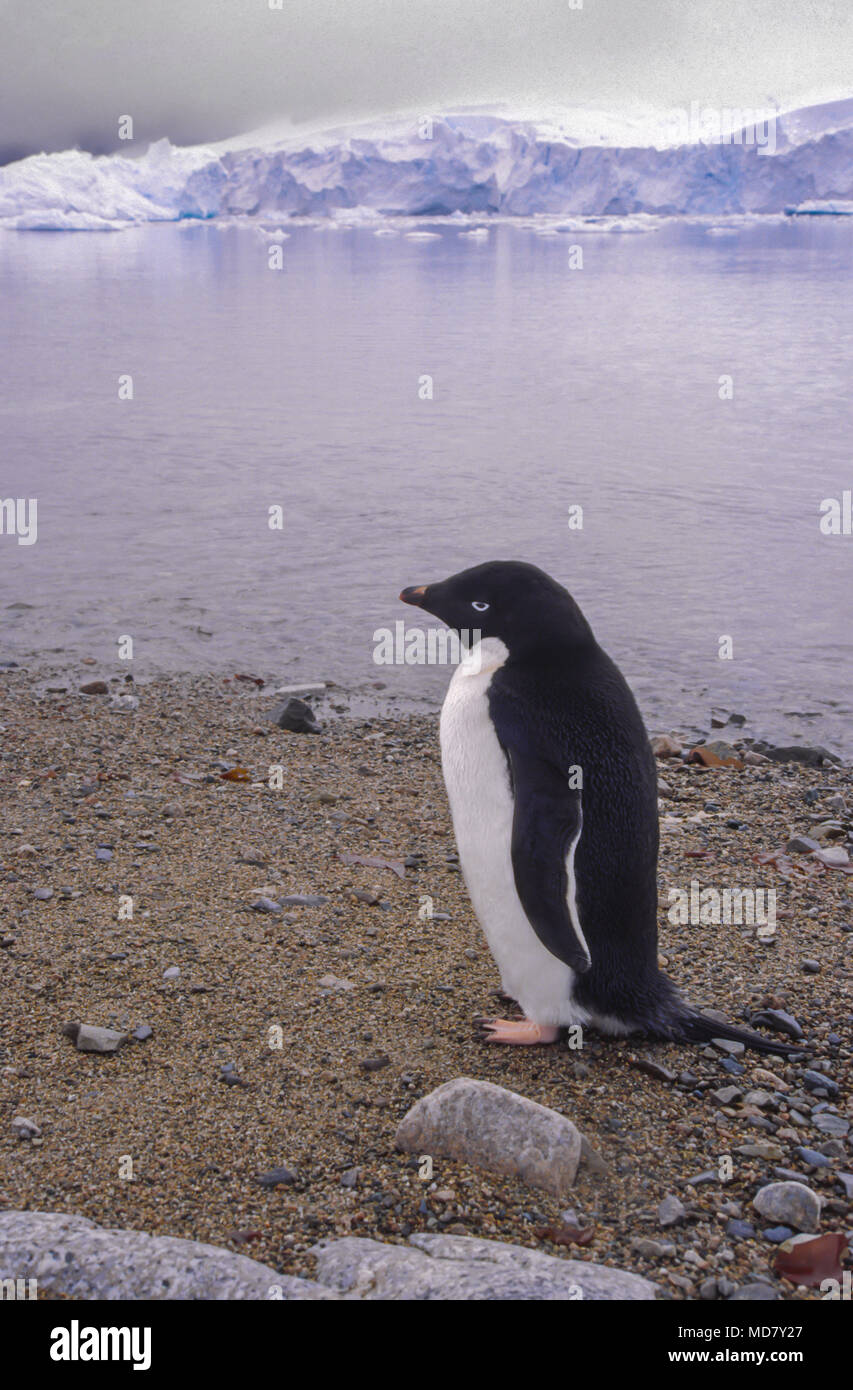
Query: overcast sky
x,y
199,70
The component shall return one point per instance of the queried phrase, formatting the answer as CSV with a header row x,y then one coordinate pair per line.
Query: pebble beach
x,y
276,924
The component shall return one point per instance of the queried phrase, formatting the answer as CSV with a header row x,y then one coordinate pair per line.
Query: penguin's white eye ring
x,y
480,607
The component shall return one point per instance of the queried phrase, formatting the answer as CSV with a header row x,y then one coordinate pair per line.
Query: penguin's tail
x,y
691,1026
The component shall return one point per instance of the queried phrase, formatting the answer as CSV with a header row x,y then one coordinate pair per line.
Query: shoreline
x,y
375,1005
376,699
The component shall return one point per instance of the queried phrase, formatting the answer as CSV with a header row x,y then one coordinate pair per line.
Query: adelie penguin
x,y
553,791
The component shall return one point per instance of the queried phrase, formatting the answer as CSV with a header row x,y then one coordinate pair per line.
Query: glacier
x,y
477,163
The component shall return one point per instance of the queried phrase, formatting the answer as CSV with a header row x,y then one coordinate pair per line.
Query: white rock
x,y
436,1267
493,1128
790,1204
87,1038
24,1128
70,1255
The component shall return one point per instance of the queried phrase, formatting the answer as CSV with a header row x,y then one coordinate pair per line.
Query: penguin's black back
x,y
574,708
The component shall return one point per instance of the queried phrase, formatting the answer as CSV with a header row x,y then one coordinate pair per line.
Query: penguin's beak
x,y
415,595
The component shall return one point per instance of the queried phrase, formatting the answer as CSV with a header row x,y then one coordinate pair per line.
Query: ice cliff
x,y
471,162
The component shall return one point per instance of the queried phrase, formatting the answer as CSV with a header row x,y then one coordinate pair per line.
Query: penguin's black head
x,y
508,599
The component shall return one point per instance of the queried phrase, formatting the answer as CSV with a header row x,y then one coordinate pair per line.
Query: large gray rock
x,y
435,1267
70,1255
492,1128
86,1037
790,1203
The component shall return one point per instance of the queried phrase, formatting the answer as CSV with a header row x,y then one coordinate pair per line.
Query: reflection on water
x,y
552,387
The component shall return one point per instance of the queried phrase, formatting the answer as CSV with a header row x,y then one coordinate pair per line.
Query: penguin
x,y
552,786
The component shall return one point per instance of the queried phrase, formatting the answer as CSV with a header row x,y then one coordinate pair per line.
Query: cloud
x,y
199,70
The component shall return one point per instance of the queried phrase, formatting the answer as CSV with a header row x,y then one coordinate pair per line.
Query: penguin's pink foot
x,y
520,1032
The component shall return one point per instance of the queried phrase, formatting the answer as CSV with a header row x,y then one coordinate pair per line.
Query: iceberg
x,y
476,163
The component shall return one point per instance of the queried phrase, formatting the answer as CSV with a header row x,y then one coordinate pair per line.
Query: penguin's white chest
x,y
479,790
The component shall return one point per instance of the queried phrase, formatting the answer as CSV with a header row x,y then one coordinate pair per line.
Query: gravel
x,y
296,1000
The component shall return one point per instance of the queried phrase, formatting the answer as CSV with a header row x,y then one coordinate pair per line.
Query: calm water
x,y
552,387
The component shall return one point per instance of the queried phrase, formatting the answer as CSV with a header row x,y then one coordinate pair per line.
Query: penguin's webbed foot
x,y
520,1032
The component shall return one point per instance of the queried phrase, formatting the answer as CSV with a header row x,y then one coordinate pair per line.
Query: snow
x,y
475,164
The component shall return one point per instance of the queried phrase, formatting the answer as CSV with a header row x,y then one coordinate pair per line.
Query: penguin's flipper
x,y
546,827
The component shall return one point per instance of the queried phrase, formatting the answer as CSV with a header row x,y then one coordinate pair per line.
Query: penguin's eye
x,y
480,607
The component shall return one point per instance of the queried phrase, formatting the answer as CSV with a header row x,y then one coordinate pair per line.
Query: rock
x,y
828,1123
835,857
671,1211
143,1032
95,688
811,757
754,1293
350,1177
729,1046
726,1095
87,1038
375,1063
801,844
652,1068
277,1177
303,900
266,905
172,973
777,1234
708,1289
665,747
43,895
740,1230
24,1128
462,1268
334,982
791,1203
493,1128
762,1148
592,1161
833,1148
75,1259
813,1158
295,716
729,1065
779,1021
762,1077
816,1081
721,749
846,1180
104,855
810,967
828,830
707,755
762,1100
